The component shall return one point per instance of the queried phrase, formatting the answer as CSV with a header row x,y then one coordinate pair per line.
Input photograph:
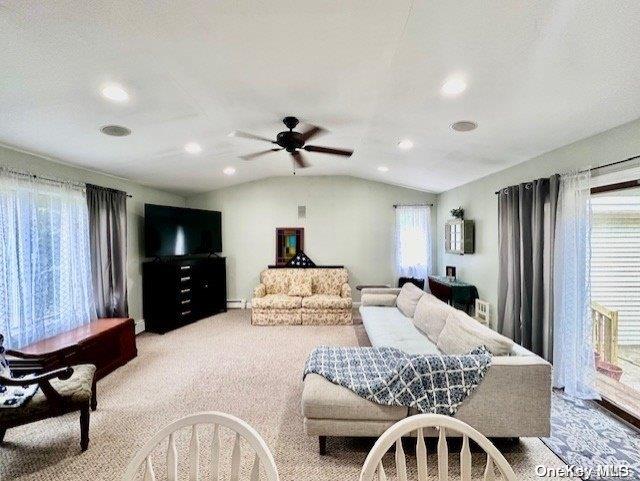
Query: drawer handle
x,y
185,268
185,279
184,313
186,301
184,291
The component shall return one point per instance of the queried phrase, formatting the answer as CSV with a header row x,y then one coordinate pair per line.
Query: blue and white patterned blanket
x,y
386,375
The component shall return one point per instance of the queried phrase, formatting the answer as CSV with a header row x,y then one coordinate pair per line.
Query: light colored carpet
x,y
221,363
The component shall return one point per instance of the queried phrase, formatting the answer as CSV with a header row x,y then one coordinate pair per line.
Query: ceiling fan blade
x,y
258,154
328,150
298,158
311,132
246,135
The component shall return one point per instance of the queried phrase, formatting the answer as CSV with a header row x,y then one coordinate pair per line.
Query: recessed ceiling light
x,y
454,86
229,170
405,144
115,93
383,168
193,147
464,126
115,130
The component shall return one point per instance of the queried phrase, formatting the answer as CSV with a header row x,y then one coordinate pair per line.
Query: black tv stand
x,y
178,291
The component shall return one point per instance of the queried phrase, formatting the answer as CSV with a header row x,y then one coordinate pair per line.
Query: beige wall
x,y
349,221
481,205
135,208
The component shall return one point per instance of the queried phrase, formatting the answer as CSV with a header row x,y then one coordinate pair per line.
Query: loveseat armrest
x,y
345,291
260,291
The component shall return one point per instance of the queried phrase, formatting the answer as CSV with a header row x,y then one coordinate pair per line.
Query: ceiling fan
x,y
293,142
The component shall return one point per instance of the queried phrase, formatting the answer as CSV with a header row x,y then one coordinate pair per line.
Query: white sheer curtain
x,y
45,263
573,359
413,241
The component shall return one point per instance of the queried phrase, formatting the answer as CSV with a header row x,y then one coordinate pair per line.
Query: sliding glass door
x,y
615,294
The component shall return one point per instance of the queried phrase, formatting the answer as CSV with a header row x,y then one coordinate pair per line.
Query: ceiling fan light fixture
x,y
229,170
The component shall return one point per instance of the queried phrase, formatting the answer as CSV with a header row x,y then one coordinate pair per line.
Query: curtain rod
x,y
395,206
49,179
610,164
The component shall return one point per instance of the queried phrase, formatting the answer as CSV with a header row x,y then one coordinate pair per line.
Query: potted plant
x,y
458,213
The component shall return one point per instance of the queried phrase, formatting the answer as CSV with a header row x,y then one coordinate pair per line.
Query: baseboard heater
x,y
236,303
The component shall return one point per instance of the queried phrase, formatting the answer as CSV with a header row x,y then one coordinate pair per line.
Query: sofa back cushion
x,y
431,315
461,333
323,281
300,287
276,281
328,281
408,299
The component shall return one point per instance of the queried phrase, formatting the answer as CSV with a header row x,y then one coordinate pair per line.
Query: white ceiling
x,y
539,77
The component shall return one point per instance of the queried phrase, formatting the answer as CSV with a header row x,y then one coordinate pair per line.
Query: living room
x,y
245,240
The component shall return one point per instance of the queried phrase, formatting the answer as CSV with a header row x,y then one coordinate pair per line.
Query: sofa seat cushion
x,y
408,299
462,333
322,399
277,301
326,301
387,326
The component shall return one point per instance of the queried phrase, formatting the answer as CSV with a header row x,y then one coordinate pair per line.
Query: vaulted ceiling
x,y
539,75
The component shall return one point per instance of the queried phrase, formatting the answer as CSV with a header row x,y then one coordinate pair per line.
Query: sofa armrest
x,y
381,290
260,291
345,290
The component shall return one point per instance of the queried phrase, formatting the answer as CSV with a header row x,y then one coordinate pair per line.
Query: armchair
x,y
62,391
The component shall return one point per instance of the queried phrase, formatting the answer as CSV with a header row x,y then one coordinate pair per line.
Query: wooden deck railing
x,y
605,332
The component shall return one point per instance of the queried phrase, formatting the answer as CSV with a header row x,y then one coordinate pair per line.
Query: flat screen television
x,y
177,231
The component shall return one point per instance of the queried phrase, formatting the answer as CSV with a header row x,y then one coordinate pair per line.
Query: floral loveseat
x,y
302,296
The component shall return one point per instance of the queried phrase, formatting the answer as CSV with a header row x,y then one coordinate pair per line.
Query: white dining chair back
x,y
445,425
241,430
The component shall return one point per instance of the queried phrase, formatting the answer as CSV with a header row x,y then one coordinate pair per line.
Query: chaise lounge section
x,y
513,400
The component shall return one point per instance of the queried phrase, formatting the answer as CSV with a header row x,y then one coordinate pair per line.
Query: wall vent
x,y
302,212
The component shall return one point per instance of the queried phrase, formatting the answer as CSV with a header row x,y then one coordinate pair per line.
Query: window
x,y
413,241
45,268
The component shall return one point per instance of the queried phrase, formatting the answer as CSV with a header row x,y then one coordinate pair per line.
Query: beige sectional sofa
x,y
302,296
513,400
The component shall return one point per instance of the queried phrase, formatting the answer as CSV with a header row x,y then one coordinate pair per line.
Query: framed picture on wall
x,y
289,241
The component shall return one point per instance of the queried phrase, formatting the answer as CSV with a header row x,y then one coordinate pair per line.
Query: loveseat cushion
x,y
277,301
462,333
408,299
326,301
300,288
431,315
329,281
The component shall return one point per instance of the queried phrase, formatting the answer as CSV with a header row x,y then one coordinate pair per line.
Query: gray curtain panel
x,y
526,225
108,237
